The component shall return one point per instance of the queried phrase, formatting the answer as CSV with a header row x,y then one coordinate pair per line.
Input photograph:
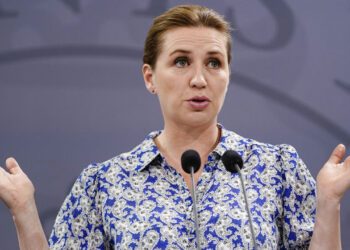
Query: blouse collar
x,y
147,151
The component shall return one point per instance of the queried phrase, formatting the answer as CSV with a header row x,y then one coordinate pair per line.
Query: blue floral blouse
x,y
137,201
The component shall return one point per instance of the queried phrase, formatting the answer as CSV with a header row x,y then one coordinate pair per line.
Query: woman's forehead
x,y
194,38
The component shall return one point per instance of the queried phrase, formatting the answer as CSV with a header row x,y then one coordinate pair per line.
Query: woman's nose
x,y
198,80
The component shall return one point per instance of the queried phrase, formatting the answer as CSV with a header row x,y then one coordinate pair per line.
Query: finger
x,y
13,166
3,176
347,161
337,154
2,171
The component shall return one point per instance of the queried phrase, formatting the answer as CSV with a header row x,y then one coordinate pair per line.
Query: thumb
x,y
337,154
13,166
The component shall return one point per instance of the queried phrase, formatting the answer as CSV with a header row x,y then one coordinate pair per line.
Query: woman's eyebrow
x,y
183,51
215,52
180,51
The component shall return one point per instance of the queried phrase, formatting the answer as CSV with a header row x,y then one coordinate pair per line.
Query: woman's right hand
x,y
16,190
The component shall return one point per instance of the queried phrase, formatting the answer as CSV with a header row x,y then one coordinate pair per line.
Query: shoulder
x,y
233,140
123,165
254,152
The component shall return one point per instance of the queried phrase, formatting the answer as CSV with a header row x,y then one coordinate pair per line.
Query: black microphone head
x,y
230,158
190,158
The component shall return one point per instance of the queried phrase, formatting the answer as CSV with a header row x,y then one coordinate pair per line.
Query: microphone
x,y
190,159
191,162
233,163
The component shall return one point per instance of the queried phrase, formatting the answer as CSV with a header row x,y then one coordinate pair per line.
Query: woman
x,y
141,199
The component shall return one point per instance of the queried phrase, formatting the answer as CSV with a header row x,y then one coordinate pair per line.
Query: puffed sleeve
x,y
299,200
79,222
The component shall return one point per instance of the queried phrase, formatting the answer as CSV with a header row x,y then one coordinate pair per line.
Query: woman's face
x,y
191,75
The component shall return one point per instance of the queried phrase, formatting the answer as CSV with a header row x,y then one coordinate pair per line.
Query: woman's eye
x,y
214,63
181,62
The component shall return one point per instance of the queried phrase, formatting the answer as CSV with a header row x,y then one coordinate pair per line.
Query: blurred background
x,y
72,93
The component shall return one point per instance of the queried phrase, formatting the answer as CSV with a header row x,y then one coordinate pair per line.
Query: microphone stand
x,y
246,205
194,199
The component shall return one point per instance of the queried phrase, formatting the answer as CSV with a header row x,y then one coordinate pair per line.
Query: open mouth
x,y
199,99
199,102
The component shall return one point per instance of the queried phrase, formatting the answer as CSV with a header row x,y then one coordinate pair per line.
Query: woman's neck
x,y
174,140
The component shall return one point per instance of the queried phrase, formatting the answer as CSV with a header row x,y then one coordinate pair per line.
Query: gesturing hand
x,y
333,180
16,190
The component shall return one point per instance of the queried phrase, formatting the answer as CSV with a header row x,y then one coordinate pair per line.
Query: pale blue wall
x,y
71,89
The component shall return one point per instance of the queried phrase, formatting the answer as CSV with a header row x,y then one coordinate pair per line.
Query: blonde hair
x,y
183,16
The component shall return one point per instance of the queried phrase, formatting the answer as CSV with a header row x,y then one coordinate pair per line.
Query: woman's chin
x,y
198,119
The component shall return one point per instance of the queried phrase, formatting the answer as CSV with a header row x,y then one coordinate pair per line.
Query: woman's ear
x,y
148,78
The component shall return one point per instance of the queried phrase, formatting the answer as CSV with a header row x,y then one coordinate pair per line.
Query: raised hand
x,y
16,190
333,180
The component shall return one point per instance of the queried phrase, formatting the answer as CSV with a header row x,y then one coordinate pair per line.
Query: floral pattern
x,y
137,201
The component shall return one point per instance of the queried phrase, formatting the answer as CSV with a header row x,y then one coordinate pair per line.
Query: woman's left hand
x,y
333,180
